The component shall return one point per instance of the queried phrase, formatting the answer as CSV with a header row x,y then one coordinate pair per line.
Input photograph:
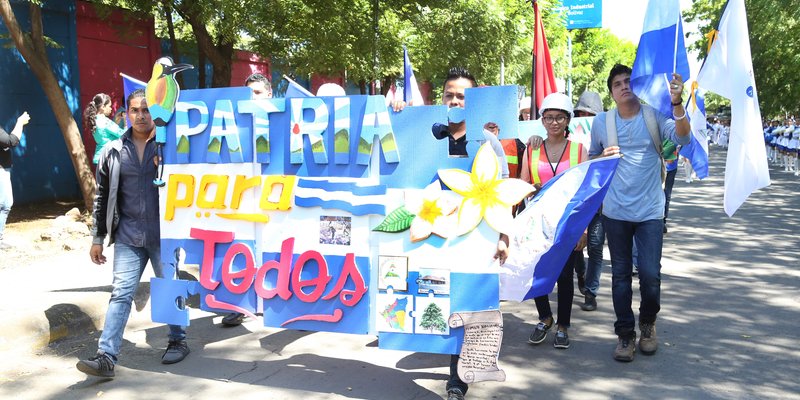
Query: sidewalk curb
x,y
35,329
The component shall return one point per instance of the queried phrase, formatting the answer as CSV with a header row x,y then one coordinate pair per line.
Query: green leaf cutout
x,y
397,221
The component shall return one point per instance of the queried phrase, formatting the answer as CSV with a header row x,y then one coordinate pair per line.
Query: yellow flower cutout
x,y
485,195
433,212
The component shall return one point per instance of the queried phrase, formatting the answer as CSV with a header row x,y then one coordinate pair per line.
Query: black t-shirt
x,y
458,147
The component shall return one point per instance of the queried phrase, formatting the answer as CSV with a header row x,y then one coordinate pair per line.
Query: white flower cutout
x,y
485,195
433,211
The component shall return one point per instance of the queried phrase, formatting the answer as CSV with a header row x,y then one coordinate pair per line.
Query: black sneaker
x,y
589,302
581,284
99,365
562,340
233,319
177,350
539,333
455,394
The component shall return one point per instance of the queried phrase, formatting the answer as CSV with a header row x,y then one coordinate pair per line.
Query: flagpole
x,y
675,54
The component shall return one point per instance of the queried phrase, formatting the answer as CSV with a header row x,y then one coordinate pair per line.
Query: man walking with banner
x,y
633,210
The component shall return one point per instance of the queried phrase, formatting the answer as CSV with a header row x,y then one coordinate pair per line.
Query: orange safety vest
x,y
512,157
534,155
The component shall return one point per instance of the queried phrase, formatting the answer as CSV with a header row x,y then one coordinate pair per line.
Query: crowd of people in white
x,y
783,144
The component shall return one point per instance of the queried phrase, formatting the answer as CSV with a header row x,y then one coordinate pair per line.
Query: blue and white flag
x,y
661,53
295,89
728,72
548,230
411,93
129,85
697,149
345,196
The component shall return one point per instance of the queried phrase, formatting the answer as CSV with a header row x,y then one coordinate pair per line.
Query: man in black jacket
x,y
126,210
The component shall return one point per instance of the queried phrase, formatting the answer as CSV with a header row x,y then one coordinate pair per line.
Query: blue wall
x,y
42,167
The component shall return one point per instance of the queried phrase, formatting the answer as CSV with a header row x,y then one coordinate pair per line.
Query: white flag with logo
x,y
728,71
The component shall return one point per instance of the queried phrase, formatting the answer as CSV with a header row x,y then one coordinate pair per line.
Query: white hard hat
x,y
556,101
525,103
330,90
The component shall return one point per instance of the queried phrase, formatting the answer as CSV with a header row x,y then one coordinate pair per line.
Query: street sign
x,y
583,14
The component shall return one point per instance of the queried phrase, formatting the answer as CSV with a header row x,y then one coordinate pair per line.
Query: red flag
x,y
543,76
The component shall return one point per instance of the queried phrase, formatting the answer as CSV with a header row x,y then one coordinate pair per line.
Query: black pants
x,y
566,290
669,182
454,382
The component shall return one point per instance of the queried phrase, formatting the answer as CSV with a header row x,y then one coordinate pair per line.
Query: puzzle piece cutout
x,y
170,295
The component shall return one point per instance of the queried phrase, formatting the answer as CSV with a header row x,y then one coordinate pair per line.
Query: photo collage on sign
x,y
412,302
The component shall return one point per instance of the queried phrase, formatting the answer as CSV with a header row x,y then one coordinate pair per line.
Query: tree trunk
x,y
173,42
201,64
222,70
362,86
386,84
32,49
220,54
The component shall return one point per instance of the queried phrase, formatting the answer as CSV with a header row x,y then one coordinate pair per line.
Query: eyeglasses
x,y
549,120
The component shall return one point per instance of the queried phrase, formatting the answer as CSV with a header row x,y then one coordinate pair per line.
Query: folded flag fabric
x,y
544,77
295,89
129,84
697,149
346,196
548,230
411,93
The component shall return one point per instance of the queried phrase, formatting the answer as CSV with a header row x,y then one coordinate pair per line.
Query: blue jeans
x,y
648,236
6,197
129,264
594,247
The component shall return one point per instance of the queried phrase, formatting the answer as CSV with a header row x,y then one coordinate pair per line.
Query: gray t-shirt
x,y
635,194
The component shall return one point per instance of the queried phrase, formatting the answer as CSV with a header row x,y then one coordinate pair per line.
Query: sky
x,y
625,19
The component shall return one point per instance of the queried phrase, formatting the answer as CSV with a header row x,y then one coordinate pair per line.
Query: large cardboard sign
x,y
326,214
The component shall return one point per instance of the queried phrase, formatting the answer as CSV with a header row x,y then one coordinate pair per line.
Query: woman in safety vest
x,y
556,155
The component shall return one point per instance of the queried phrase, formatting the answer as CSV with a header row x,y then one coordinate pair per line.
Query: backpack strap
x,y
649,114
611,128
652,126
650,121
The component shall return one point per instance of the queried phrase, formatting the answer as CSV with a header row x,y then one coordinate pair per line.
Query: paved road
x,y
728,329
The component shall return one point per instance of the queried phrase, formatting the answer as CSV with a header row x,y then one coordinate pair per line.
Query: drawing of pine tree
x,y
432,318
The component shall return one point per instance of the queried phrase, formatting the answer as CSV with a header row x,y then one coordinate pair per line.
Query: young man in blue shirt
x,y
633,209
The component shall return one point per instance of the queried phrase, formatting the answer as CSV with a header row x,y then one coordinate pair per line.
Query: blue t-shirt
x,y
635,194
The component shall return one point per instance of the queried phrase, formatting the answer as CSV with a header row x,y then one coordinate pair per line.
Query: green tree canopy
x,y
775,49
363,38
